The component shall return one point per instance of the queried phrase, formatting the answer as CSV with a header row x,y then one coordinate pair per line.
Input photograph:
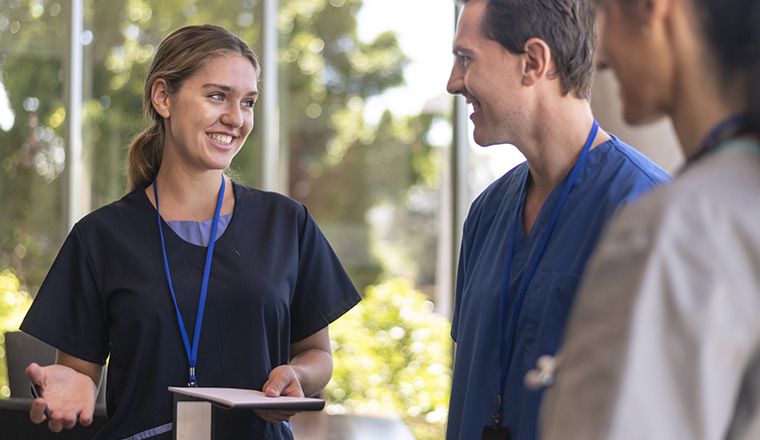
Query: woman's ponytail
x,y
144,155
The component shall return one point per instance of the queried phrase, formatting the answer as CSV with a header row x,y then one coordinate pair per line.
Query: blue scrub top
x,y
614,175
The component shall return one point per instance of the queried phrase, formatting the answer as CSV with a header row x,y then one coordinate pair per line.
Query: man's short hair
x,y
567,27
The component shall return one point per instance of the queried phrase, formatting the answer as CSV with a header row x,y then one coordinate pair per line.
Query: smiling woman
x,y
186,74
130,277
207,120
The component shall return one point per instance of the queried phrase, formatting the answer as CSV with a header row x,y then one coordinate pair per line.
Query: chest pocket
x,y
545,313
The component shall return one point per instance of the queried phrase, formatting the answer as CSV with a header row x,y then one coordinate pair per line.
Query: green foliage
x,y
327,73
14,302
392,354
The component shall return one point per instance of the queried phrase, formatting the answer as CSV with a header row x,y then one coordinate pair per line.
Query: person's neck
x,y
701,98
552,147
186,195
555,142
694,115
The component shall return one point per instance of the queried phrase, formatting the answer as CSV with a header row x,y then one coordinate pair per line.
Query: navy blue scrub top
x,y
614,174
274,281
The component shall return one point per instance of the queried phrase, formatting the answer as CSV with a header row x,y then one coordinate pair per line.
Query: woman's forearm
x,y
314,370
81,366
312,362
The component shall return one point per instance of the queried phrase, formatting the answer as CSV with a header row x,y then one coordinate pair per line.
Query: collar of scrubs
x,y
507,335
191,350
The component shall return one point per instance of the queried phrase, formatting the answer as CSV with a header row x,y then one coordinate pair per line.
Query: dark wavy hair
x,y
732,28
567,26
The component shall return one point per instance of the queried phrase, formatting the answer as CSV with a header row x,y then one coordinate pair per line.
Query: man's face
x,y
487,75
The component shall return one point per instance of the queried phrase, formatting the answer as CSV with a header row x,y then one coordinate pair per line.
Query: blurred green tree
x,y
14,302
392,355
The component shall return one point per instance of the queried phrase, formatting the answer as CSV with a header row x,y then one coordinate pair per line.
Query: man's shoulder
x,y
618,174
634,164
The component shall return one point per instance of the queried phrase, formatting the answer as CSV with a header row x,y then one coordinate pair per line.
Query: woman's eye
x,y
249,103
217,96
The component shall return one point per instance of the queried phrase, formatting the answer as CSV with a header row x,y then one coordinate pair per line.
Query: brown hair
x,y
179,56
567,26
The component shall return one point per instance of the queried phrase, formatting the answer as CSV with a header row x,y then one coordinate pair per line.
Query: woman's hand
x,y
308,372
67,395
283,381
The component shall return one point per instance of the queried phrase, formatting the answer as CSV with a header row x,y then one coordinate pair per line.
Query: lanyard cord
x,y
191,351
725,129
505,354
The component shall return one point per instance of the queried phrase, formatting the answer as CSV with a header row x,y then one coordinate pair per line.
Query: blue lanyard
x,y
727,128
506,340
192,351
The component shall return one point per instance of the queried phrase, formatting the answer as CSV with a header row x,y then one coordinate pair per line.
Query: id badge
x,y
491,432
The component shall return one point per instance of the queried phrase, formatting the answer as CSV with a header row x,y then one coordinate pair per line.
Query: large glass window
x,y
371,176
366,125
33,71
363,127
33,68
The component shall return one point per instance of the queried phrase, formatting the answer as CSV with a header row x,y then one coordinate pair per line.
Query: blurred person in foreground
x,y
526,67
664,340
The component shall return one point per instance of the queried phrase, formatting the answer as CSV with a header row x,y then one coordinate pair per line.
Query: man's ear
x,y
159,97
537,58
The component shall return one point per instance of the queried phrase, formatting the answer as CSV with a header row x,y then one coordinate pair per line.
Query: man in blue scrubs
x,y
526,67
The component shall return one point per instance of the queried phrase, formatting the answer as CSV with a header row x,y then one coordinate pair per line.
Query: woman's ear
x,y
536,61
159,97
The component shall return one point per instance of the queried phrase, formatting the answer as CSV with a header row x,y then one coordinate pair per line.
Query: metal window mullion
x,y
270,150
459,168
76,205
460,156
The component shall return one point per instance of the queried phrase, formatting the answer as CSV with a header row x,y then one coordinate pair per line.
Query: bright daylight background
x,y
425,33
365,126
423,28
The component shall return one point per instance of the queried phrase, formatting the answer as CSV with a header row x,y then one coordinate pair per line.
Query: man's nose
x,y
455,85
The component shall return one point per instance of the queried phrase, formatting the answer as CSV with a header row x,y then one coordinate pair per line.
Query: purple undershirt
x,y
198,233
